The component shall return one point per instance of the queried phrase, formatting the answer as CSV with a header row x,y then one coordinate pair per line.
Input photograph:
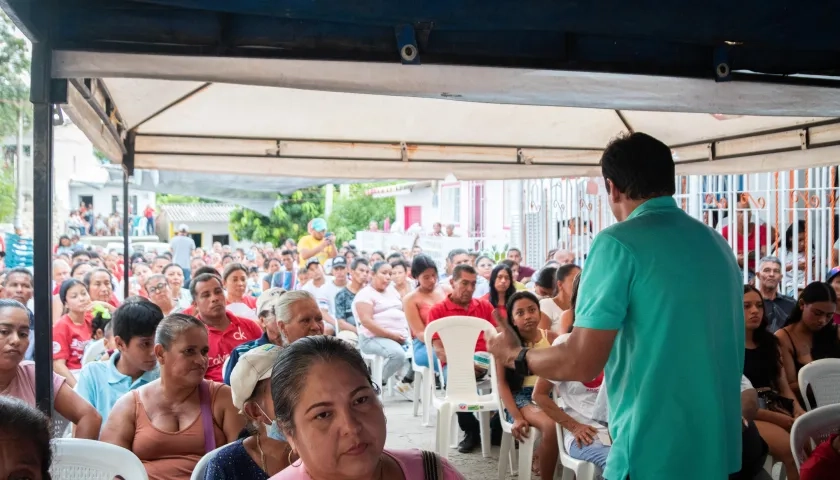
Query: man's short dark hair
x,y
18,270
509,263
92,254
136,318
639,166
204,277
455,253
514,249
462,269
79,253
394,256
206,269
287,252
358,261
161,257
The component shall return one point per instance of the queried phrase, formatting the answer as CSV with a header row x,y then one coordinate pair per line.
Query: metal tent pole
x,y
42,183
126,234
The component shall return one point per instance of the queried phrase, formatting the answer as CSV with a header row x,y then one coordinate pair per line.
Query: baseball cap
x,y
312,261
339,262
267,297
251,368
183,228
319,225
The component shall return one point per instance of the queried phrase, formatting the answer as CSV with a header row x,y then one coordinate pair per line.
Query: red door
x,y
411,215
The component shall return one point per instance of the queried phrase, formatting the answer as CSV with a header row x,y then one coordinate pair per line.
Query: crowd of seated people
x,y
187,368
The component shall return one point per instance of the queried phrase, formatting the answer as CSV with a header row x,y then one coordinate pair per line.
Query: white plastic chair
x,y
823,376
459,335
814,426
573,469
93,351
75,458
424,383
201,467
507,452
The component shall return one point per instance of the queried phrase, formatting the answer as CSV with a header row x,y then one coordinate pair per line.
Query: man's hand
x,y
504,345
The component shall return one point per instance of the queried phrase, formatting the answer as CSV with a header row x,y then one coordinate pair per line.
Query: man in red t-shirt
x,y
225,331
461,303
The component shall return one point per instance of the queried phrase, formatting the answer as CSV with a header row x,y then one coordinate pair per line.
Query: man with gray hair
x,y
777,307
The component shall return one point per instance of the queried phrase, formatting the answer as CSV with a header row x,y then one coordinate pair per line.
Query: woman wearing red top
x,y
235,278
73,331
501,287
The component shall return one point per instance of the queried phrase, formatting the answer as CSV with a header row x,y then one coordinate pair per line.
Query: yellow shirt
x,y
531,380
308,242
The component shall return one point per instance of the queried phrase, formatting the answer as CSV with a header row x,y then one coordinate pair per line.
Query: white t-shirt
x,y
549,307
578,400
387,310
324,295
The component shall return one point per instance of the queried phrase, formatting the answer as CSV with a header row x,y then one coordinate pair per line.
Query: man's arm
x,y
580,359
749,404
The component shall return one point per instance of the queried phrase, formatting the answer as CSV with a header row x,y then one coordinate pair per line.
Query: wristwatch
x,y
520,365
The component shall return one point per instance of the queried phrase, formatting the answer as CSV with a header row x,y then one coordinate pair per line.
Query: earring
x,y
289,457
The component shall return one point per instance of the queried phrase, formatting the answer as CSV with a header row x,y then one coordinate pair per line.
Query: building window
x,y
450,204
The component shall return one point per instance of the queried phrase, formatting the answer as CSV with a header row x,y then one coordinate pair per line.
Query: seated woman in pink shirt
x,y
327,407
17,376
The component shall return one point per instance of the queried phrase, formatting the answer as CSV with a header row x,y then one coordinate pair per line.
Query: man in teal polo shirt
x,y
132,365
661,306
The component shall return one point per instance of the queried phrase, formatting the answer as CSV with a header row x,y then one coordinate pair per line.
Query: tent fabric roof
x,y
197,212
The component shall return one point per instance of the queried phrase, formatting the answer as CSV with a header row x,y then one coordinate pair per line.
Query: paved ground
x,y
407,431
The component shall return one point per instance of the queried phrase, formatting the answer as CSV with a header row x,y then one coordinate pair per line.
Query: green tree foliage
x,y
354,212
287,220
7,193
14,84
170,198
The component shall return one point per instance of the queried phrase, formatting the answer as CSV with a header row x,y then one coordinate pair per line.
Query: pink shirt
x,y
387,310
23,385
410,462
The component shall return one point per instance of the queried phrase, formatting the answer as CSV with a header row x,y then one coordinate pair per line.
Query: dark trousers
x,y
468,423
753,454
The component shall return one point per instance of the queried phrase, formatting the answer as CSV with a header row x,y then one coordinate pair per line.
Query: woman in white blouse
x,y
552,308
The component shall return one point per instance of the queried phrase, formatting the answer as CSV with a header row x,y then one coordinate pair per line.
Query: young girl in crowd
x,y
809,333
501,287
778,406
515,391
73,331
553,308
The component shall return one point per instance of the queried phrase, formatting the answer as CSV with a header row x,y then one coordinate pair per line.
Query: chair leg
x,y
418,392
504,455
526,457
453,431
444,429
484,423
428,386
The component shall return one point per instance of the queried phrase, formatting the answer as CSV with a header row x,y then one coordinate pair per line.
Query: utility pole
x,y
328,199
19,172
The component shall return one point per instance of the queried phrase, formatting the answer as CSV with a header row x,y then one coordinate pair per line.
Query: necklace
x,y
262,455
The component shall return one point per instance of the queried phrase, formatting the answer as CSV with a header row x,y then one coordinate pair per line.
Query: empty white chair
x,y
815,427
459,335
823,376
507,451
75,458
93,351
201,466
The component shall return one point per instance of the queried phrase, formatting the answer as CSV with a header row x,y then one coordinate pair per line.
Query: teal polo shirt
x,y
101,384
671,287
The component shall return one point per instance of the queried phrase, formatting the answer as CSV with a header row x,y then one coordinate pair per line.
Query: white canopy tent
x,y
329,119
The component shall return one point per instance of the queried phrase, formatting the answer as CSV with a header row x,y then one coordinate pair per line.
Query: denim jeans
x,y
394,353
596,453
422,357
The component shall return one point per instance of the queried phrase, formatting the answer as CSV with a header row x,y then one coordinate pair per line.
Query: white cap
x,y
251,368
183,228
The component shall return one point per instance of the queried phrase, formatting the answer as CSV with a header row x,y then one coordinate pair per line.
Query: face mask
x,y
273,429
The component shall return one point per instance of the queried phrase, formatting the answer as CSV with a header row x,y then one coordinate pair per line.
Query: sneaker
x,y
471,441
405,390
409,377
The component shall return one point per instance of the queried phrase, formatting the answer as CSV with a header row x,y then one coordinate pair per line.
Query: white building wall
x,y
421,197
103,198
208,229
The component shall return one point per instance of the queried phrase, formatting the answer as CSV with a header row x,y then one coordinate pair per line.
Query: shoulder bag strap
x,y
432,466
207,417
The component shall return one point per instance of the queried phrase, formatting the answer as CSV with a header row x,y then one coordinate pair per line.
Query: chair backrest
x,y
814,426
93,351
75,458
458,335
823,376
201,467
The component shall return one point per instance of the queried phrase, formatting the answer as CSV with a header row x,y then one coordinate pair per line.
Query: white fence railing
x,y
436,247
797,209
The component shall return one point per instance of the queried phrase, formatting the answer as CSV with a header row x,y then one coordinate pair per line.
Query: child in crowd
x,y
824,462
303,277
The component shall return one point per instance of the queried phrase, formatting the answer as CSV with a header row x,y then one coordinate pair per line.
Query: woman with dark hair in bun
x,y
24,441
